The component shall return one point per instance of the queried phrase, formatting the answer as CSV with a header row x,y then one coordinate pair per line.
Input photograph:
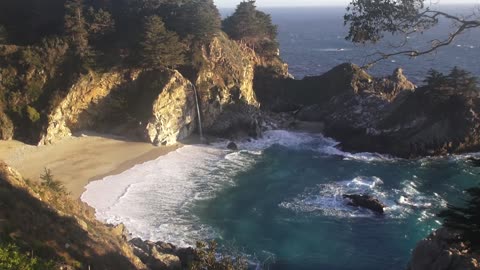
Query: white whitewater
x,y
155,199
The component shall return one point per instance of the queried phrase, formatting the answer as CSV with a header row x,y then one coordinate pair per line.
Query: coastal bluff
x,y
387,115
152,105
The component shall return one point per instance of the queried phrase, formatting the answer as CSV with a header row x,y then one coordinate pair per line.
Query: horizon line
x,y
339,5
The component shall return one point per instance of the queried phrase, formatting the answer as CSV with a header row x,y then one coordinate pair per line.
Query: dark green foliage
x,y
457,81
3,35
253,27
435,78
49,182
207,258
11,258
466,219
198,19
160,47
76,27
369,20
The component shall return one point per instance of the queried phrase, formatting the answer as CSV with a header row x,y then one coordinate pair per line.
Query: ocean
x,y
278,200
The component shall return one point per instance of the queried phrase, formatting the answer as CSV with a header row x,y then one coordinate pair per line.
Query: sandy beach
x,y
75,161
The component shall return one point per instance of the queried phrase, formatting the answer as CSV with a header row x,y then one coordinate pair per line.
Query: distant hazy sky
x,y
285,3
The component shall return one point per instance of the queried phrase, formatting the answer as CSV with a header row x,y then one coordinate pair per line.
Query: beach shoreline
x,y
78,160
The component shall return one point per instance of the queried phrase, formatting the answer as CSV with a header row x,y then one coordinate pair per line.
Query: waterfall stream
x,y
199,117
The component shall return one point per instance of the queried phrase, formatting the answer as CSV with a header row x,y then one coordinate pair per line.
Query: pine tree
x,y
75,27
465,219
3,35
435,78
160,47
461,80
253,27
199,19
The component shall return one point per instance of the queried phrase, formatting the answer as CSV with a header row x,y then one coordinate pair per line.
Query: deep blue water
x,y
312,42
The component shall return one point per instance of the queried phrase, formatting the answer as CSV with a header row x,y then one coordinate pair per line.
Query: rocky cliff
x,y
442,250
157,106
385,115
46,222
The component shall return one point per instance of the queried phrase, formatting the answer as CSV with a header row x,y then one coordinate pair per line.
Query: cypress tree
x,y
76,27
3,35
465,219
160,47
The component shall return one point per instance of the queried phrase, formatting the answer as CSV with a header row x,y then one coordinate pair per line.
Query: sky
x,y
290,3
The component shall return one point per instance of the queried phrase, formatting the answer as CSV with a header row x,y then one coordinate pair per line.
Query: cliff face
x,y
79,108
385,115
157,106
54,227
443,250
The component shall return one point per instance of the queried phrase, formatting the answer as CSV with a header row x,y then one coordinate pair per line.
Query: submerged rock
x,y
365,201
474,161
232,146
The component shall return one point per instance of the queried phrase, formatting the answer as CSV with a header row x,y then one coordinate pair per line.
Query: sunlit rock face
x,y
159,106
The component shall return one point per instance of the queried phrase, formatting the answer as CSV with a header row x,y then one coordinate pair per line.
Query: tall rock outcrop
x,y
159,106
83,102
386,115
225,77
174,112
442,250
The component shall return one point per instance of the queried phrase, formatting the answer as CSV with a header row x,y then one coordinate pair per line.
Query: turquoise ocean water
x,y
278,200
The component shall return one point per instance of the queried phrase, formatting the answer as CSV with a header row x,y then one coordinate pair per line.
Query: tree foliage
x,y
369,21
252,26
49,182
457,81
198,19
160,47
3,35
466,219
207,257
76,26
11,258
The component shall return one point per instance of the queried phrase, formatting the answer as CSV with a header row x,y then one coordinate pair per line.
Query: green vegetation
x,y
160,47
252,27
208,258
11,258
49,182
457,81
369,21
3,35
465,219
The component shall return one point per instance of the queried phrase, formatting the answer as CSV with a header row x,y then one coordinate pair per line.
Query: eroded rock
x,y
365,201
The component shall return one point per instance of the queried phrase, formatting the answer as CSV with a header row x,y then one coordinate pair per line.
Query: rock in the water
x,y
442,250
232,146
365,201
474,161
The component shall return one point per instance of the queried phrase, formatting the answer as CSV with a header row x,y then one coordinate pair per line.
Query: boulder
x,y
443,250
365,201
232,146
474,161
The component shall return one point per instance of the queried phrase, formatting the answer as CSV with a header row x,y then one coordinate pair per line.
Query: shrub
x,y
11,258
49,182
32,114
208,258
465,219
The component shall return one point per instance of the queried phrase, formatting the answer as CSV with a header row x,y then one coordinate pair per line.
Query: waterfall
x,y
200,128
